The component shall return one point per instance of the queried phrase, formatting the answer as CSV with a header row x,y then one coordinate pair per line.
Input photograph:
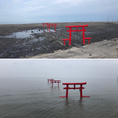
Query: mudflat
x,y
30,40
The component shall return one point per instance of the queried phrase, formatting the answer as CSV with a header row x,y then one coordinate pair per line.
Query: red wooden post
x,y
70,33
70,30
55,27
88,41
52,83
49,27
67,91
43,26
88,38
83,35
81,94
64,41
58,84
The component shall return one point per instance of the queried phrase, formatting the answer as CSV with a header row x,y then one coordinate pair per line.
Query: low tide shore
x,y
30,40
101,49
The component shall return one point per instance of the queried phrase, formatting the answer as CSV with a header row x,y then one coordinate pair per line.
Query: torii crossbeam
x,y
80,87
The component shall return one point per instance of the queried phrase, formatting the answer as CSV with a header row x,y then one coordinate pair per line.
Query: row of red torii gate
x,y
70,30
69,86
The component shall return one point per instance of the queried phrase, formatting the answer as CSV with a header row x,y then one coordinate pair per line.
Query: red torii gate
x,y
49,80
75,87
55,81
49,25
77,30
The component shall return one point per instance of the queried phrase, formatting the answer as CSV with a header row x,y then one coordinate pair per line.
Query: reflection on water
x,y
26,33
29,33
25,92
32,98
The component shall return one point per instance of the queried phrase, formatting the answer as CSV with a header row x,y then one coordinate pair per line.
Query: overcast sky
x,y
33,74
36,11
63,69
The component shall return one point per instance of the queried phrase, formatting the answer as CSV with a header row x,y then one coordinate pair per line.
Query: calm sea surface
x,y
34,98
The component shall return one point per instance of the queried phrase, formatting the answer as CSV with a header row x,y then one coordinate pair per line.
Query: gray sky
x,y
36,11
22,75
44,69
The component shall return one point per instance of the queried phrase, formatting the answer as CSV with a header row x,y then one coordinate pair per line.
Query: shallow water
x,y
25,92
29,33
25,34
34,98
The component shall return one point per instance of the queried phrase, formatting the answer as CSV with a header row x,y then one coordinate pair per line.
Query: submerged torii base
x,y
74,87
52,81
55,81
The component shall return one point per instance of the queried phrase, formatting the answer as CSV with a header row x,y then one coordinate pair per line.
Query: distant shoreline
x,y
10,28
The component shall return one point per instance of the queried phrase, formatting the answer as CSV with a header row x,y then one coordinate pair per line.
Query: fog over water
x,y
29,74
25,92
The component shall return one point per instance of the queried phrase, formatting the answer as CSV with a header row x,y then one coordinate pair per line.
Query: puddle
x,y
29,33
25,34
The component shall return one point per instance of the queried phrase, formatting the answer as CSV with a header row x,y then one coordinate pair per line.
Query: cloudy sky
x,y
36,11
31,69
16,74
